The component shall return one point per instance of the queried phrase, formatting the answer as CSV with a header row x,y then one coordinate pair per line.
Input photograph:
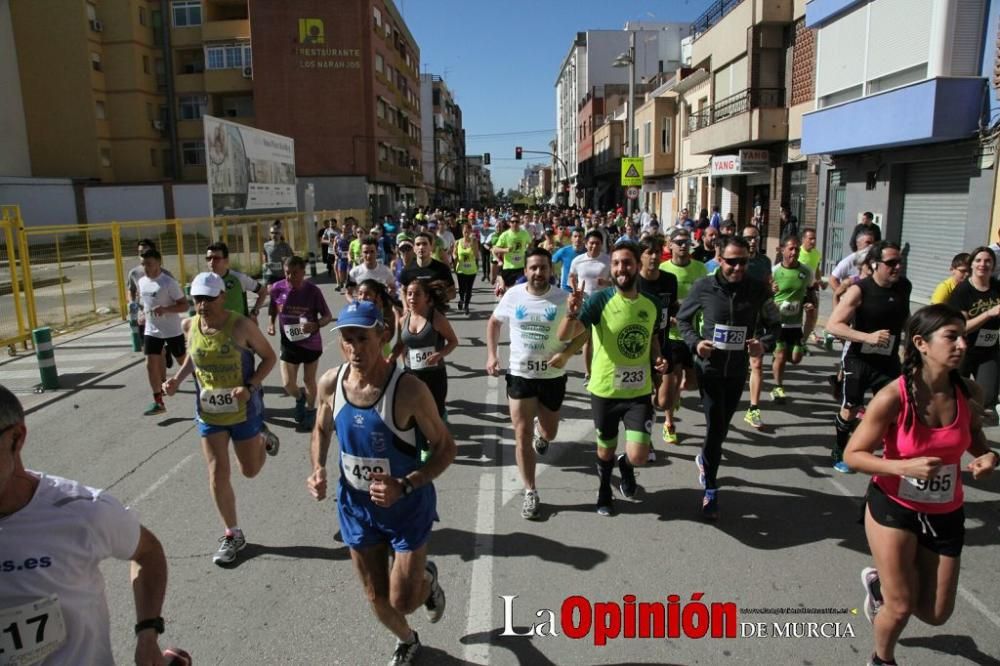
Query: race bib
x,y
664,318
219,401
418,357
30,633
533,366
358,471
630,376
790,308
987,338
466,266
515,258
939,489
883,350
294,332
729,338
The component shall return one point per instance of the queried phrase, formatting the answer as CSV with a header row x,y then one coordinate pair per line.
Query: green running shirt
x,y
790,290
686,277
517,243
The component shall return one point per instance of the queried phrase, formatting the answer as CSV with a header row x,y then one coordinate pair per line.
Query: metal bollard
x,y
187,293
312,264
133,323
46,356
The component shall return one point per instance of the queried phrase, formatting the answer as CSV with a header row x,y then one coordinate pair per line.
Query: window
x,y
193,153
665,134
145,64
192,107
647,137
100,110
378,63
142,20
95,62
191,61
380,108
154,157
377,16
228,56
240,106
91,13
215,57
156,18
388,29
106,157
383,153
186,13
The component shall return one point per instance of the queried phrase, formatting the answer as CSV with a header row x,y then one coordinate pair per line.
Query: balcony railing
x,y
715,12
741,102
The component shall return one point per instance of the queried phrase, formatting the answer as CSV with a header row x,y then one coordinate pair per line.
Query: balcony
x,y
227,80
219,31
189,83
941,109
756,115
715,13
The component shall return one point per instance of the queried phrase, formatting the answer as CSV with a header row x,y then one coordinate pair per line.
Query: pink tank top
x,y
910,438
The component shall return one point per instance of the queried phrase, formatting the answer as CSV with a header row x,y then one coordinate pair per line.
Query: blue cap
x,y
359,314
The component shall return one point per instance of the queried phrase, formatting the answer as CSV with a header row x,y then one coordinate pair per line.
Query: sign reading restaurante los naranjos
x,y
313,52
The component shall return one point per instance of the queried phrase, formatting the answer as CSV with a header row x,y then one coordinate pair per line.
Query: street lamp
x,y
628,60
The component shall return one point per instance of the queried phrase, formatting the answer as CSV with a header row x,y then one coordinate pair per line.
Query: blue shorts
x,y
238,432
343,265
405,526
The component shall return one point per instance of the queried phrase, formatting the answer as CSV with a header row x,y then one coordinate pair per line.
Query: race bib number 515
x,y
30,633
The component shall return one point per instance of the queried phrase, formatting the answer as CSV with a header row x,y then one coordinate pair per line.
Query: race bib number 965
x,y
729,338
939,489
219,401
358,471
30,633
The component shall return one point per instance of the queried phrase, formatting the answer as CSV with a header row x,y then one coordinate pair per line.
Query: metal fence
x,y
70,276
741,102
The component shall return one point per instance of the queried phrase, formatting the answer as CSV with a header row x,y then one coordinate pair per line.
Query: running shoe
x,y
154,408
229,544
605,502
700,462
628,485
753,417
435,600
586,380
710,505
529,509
873,592
828,342
875,661
669,434
778,395
300,408
842,467
271,442
405,652
539,443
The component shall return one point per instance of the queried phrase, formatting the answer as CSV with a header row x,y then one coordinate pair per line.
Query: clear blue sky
x,y
501,59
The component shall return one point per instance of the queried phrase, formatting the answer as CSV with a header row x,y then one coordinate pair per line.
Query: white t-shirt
x,y
163,290
381,272
588,269
848,266
534,323
448,239
53,546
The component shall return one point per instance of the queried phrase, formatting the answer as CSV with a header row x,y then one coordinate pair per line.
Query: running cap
x,y
359,314
678,232
207,284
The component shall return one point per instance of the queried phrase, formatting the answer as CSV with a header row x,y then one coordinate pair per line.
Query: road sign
x,y
632,193
631,172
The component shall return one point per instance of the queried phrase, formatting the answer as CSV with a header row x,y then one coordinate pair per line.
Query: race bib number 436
x,y
219,401
30,633
729,338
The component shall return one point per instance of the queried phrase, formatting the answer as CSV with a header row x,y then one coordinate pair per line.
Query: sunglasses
x,y
891,263
204,299
681,243
750,238
736,261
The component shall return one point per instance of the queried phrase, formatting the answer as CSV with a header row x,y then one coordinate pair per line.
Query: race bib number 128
x,y
729,338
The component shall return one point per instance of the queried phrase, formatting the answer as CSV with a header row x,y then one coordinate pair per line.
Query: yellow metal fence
x,y
71,276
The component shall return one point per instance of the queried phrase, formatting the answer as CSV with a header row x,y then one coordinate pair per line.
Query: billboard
x,y
249,170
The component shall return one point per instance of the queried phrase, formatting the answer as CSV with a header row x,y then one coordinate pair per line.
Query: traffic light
x,y
517,153
486,158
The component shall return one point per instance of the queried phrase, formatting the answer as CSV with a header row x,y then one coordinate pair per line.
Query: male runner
x,y
565,255
301,311
163,301
510,247
273,254
870,317
237,284
791,283
624,325
370,269
425,267
810,256
386,502
590,272
536,379
228,406
55,534
759,268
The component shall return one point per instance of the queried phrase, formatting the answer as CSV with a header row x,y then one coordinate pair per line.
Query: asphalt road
x,y
787,548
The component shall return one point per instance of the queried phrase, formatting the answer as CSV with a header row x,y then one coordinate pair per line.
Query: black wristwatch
x,y
155,623
407,486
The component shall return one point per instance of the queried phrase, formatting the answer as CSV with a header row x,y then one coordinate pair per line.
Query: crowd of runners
x,y
658,313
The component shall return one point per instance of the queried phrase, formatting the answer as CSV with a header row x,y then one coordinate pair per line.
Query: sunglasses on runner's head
x,y
204,299
891,263
736,261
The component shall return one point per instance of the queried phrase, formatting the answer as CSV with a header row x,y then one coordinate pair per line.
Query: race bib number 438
x,y
358,471
30,633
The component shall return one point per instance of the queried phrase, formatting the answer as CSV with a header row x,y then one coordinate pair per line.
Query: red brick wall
x,y
803,63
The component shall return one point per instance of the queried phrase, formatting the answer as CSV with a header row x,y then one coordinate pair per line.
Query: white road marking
x,y
163,479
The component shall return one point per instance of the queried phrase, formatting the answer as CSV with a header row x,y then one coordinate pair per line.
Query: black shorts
x,y
941,533
436,379
635,413
550,392
680,355
511,275
789,338
153,346
296,355
861,376
812,296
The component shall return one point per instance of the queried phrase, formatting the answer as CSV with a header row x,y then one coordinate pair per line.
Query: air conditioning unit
x,y
158,125
96,25
248,72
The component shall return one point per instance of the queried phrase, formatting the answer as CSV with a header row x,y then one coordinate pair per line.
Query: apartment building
x,y
141,74
443,161
657,139
918,154
478,183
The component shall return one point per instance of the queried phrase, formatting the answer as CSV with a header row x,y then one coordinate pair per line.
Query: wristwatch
x,y
155,623
407,486
252,388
